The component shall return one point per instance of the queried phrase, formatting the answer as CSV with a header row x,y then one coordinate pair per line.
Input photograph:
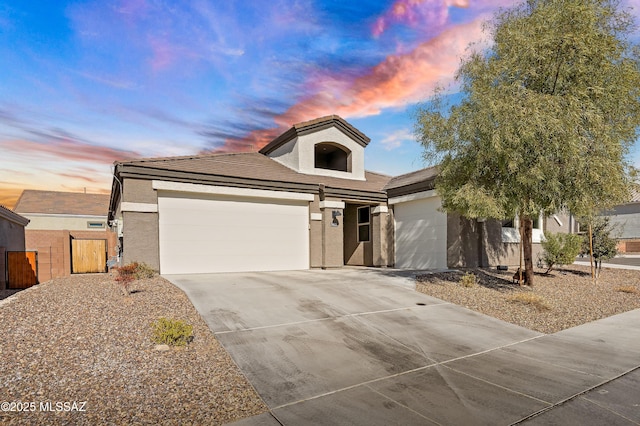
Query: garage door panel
x,y
225,234
420,234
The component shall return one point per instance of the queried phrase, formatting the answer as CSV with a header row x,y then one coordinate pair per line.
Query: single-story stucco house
x,y
303,201
626,220
68,230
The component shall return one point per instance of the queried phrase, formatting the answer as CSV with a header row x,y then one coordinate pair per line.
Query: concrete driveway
x,y
361,347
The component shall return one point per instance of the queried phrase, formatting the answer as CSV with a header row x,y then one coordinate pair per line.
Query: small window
x,y
508,223
364,227
332,156
96,225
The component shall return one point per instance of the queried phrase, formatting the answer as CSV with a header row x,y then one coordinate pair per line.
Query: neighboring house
x,y
626,218
68,230
303,201
11,238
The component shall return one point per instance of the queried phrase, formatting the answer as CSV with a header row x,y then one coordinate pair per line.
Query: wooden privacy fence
x,y
22,269
88,256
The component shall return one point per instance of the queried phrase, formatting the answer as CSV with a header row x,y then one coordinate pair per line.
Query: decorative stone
x,y
162,348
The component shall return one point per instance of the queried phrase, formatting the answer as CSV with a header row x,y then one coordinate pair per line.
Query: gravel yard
x,y
565,298
80,339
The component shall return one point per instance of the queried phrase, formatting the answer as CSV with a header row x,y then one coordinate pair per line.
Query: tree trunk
x,y
521,253
528,250
593,274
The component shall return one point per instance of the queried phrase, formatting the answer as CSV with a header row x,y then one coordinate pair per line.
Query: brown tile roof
x,y
413,178
254,166
54,202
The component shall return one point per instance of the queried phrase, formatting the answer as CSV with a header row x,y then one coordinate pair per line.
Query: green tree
x,y
604,242
546,117
560,249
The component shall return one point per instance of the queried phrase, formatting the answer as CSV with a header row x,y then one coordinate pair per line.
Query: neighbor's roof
x,y
54,202
11,216
250,166
313,126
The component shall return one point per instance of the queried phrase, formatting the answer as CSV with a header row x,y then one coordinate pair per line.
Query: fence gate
x,y
88,256
22,269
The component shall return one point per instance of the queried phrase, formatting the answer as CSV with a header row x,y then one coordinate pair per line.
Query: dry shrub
x,y
628,289
468,280
531,299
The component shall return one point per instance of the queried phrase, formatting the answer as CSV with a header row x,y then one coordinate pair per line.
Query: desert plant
x,y
468,280
126,275
143,270
560,249
628,289
604,242
531,299
172,332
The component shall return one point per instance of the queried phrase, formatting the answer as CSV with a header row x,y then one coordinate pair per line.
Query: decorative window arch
x,y
332,156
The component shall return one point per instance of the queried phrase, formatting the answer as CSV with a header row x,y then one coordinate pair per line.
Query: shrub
x,y
172,332
468,280
628,289
131,272
126,275
143,270
560,249
530,299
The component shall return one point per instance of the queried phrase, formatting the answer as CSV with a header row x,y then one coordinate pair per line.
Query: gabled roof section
x,y
411,183
314,126
55,202
11,216
249,169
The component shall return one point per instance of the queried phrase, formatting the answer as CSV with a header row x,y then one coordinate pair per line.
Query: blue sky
x,y
86,83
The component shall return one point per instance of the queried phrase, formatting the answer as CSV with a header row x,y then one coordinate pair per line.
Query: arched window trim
x,y
337,158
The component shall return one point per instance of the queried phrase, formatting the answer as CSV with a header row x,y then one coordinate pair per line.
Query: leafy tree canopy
x,y
547,115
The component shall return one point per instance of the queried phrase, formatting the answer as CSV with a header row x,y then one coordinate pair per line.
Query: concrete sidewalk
x,y
361,347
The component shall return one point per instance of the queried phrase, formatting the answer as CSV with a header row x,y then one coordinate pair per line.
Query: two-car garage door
x,y
223,233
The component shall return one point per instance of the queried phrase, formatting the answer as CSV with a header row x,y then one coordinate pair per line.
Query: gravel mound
x,y
565,298
79,339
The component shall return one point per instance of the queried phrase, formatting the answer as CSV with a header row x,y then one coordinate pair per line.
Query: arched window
x,y
332,156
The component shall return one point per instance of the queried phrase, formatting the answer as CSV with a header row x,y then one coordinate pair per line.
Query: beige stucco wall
x,y
381,238
11,239
61,222
141,238
315,235
333,250
140,229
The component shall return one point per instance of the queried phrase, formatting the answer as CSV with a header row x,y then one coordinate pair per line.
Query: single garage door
x,y
420,234
220,233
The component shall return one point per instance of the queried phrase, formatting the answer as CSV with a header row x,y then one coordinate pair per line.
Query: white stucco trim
x,y
316,216
227,190
512,235
139,207
331,204
13,217
557,219
380,209
413,197
75,216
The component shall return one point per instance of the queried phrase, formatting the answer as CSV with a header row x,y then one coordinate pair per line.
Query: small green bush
x,y
468,280
560,249
172,332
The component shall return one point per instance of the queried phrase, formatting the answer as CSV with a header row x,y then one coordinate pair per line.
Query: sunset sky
x,y
86,83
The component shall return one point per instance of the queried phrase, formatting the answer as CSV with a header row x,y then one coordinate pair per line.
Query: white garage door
x,y
421,234
219,233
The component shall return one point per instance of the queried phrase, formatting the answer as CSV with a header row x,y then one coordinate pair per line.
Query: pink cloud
x,y
395,82
429,13
69,149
